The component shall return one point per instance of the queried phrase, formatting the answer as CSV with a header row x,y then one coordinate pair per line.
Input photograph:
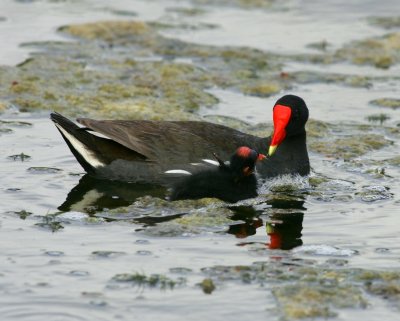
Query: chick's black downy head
x,y
243,161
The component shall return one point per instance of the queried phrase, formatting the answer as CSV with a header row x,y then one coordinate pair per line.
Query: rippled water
x,y
64,270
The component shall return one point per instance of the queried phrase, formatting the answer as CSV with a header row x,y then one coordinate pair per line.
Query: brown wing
x,y
172,141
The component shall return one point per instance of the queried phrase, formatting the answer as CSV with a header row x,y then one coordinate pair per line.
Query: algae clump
x,y
392,103
385,22
350,147
380,52
301,301
107,31
207,285
152,281
262,89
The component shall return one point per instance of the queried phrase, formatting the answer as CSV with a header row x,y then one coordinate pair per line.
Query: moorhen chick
x,y
230,182
142,150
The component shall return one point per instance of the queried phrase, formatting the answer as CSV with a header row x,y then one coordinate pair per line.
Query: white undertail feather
x,y
87,154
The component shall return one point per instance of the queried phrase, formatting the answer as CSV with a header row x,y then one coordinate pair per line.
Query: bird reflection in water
x,y
283,226
92,195
284,231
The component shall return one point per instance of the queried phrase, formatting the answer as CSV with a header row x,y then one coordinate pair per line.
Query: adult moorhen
x,y
229,182
142,150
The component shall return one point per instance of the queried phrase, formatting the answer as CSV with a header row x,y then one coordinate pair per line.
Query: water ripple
x,y
49,309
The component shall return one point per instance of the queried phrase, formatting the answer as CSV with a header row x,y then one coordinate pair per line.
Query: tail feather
x,y
79,142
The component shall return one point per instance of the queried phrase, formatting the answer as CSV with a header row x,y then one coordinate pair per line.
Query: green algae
x,y
359,140
380,52
317,129
381,276
385,22
385,284
378,118
392,103
197,221
50,222
302,301
113,80
206,218
19,157
245,4
303,289
103,92
317,180
107,254
157,206
366,166
127,69
379,172
307,77
187,11
151,281
207,285
350,147
163,218
108,31
44,170
389,291
3,106
23,214
262,89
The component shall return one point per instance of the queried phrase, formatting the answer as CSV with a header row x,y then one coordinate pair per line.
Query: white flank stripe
x,y
178,171
87,154
210,161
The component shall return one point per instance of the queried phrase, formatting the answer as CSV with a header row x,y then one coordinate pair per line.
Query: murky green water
x,y
75,248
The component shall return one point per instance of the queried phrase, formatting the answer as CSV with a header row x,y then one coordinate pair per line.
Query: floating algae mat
x,y
119,69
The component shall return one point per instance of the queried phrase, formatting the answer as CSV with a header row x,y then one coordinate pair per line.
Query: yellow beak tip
x,y
272,150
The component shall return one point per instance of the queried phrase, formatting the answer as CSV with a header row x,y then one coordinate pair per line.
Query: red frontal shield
x,y
281,119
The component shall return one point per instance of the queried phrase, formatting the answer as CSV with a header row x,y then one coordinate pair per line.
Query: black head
x,y
243,161
290,115
299,115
